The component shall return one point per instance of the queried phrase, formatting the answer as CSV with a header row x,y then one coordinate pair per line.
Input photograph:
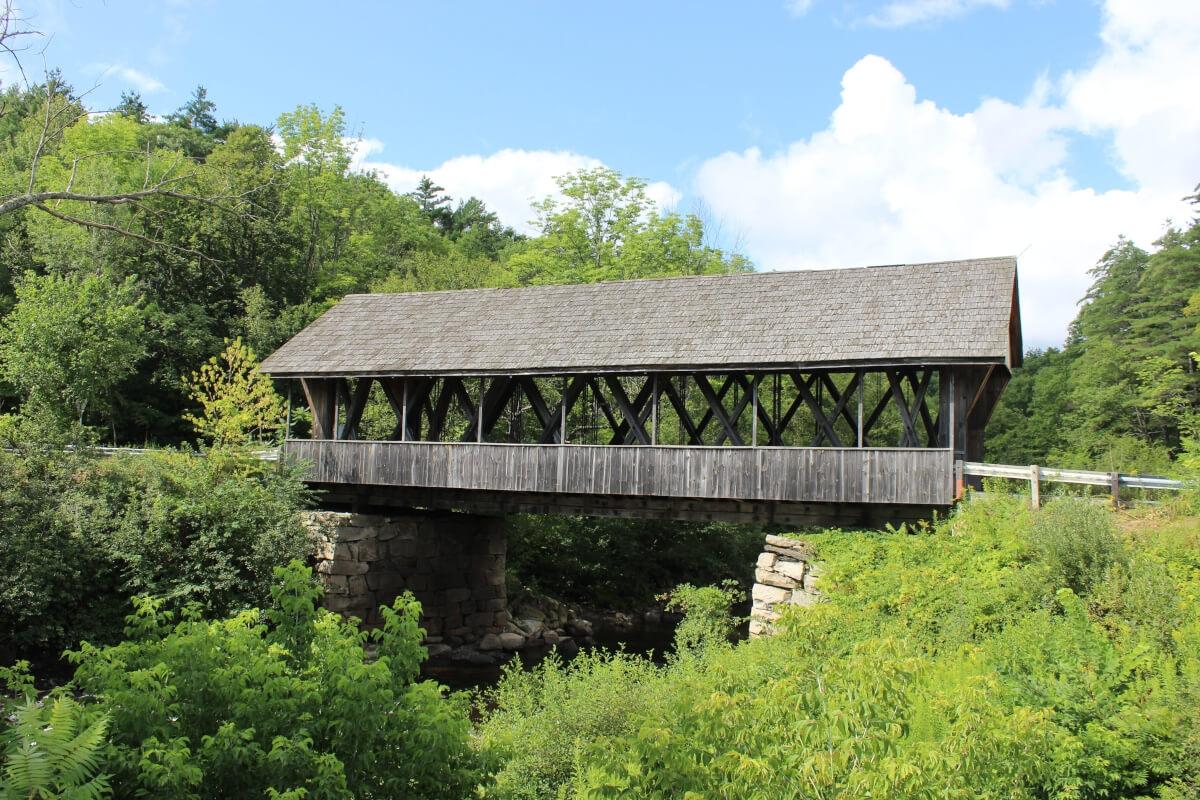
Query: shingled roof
x,y
946,312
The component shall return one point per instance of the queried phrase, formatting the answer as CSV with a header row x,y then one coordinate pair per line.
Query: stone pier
x,y
452,562
785,575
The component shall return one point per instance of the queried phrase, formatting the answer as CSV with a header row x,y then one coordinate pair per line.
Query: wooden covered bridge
x,y
836,396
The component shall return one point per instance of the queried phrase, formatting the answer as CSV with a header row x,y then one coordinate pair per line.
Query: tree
x,y
131,106
69,342
434,202
197,112
605,227
238,403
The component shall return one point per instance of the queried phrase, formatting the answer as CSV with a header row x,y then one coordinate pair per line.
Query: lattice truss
x,y
885,407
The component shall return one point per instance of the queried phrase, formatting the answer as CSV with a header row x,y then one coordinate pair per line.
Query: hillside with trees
x,y
161,631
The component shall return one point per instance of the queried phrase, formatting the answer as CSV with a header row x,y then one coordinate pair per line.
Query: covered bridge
x,y
810,396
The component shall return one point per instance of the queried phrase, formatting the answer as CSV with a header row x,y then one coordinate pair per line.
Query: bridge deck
x,y
893,476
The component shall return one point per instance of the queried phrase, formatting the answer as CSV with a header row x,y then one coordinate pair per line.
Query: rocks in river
x,y
784,575
511,641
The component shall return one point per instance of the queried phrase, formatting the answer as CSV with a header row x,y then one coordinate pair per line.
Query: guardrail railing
x,y
1036,475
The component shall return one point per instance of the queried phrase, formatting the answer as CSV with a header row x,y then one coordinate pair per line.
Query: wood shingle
x,y
945,312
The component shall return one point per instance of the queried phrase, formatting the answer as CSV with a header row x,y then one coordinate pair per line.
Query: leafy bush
x,y
79,535
286,706
706,618
535,721
619,563
1076,542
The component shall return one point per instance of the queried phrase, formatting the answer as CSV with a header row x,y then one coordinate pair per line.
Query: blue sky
x,y
809,133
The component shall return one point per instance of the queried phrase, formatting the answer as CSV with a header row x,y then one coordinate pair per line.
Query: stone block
x,y
458,633
502,618
512,641
490,641
481,619
794,547
403,548
758,628
347,604
767,560
793,569
357,585
770,594
342,568
456,595
367,550
802,598
342,551
497,544
494,604
772,578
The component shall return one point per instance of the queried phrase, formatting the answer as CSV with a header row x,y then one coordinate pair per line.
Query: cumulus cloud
x,y
914,12
509,181
894,178
799,8
146,84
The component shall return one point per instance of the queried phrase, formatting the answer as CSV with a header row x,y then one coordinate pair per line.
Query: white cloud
x,y
1142,90
799,8
897,179
146,84
508,180
899,13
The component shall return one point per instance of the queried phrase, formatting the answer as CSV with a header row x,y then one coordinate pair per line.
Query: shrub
x,y
706,617
79,535
281,704
1076,543
535,721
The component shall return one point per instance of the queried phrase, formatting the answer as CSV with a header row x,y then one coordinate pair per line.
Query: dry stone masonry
x,y
785,575
453,563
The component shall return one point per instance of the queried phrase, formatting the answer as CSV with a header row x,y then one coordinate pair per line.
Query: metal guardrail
x,y
269,454
1035,474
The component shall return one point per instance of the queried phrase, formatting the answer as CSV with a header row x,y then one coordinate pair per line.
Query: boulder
x,y
490,642
511,641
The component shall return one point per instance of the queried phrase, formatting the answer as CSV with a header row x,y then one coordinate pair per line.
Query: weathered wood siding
x,y
817,475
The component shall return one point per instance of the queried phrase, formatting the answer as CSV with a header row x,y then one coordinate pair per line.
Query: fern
x,y
54,754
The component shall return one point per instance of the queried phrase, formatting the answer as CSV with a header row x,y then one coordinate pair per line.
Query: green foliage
x,y
936,668
79,535
53,751
1124,393
238,404
69,342
606,228
1076,542
289,707
535,722
623,564
707,621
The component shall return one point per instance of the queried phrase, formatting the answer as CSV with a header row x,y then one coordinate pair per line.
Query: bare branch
x,y
104,226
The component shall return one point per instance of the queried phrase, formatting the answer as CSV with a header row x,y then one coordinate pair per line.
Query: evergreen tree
x,y
131,106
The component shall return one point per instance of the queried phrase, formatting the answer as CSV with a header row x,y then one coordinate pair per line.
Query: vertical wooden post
x,y
404,409
654,408
287,427
959,485
952,418
479,413
562,414
1114,487
1035,486
862,379
754,412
